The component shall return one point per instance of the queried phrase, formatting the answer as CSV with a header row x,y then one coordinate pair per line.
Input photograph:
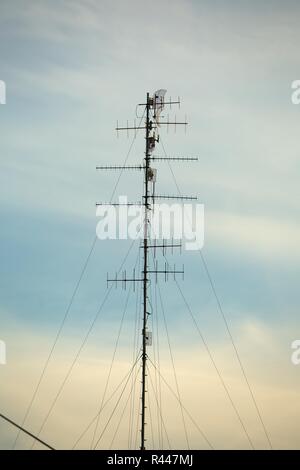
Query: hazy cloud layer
x,y
71,71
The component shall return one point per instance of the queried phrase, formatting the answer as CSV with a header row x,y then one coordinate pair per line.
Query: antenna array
x,y
154,106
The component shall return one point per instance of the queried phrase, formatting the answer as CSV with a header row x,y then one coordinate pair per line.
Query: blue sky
x,y
72,69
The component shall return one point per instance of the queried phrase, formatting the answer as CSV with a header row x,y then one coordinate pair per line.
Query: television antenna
x,y
154,105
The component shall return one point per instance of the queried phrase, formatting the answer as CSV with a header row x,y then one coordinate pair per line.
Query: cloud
x,y
71,72
258,236
201,392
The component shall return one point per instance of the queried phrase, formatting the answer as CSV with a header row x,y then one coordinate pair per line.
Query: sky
x,y
72,70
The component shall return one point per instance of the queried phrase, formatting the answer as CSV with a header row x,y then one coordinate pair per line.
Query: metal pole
x,y
145,280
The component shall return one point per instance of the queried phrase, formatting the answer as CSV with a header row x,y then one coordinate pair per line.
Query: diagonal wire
x,y
216,367
113,356
226,324
172,360
236,350
37,387
173,366
72,365
186,411
107,401
151,422
135,348
22,429
156,357
137,424
124,409
82,345
214,363
55,341
110,368
112,413
158,364
174,371
157,403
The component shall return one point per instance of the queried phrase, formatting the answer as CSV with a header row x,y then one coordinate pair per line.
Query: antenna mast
x,y
145,280
154,105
